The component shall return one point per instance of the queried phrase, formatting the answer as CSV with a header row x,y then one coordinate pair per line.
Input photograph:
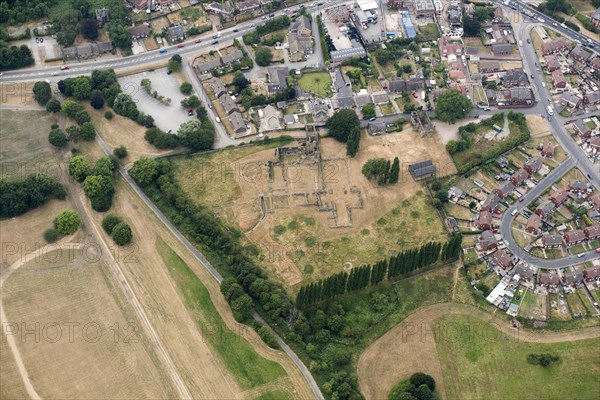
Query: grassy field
x,y
236,352
474,365
316,82
24,149
411,223
274,395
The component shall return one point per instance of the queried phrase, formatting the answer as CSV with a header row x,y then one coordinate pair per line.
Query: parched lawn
x,y
480,362
248,368
317,82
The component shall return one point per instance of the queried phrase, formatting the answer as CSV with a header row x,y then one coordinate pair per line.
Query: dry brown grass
x,y
312,247
86,365
17,94
12,386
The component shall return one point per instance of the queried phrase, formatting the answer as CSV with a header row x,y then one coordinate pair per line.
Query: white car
x,y
543,84
55,73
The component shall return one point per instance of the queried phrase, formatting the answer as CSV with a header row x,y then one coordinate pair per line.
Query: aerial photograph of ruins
x,y
288,200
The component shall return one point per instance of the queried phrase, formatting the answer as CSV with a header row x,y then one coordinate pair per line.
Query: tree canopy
x,y
42,92
67,222
197,135
263,56
452,106
341,123
144,170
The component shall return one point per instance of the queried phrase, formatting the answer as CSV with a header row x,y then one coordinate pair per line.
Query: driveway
x,y
165,116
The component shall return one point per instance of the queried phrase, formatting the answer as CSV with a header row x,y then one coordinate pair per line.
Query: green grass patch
x,y
316,82
274,395
246,366
476,356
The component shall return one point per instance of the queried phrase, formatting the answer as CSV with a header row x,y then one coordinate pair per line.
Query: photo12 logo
x,y
70,332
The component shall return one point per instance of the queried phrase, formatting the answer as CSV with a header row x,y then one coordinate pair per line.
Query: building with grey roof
x,y
345,54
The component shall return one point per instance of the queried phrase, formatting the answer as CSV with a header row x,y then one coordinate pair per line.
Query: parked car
x,y
64,67
162,51
215,42
169,71
190,112
180,46
372,119
55,73
197,40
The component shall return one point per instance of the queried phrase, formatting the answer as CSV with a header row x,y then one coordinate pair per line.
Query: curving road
x,y
576,158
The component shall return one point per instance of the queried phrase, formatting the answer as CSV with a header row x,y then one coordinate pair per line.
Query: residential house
x,y
519,176
498,14
552,63
580,54
380,97
570,99
582,129
102,16
450,49
343,88
548,149
502,161
138,4
548,279
592,98
533,165
376,128
455,16
554,46
231,55
422,170
488,66
595,18
484,221
216,86
140,32
300,39
362,100
518,95
592,232
239,126
228,104
505,189
399,85
573,278
491,202
487,241
551,241
591,274
559,79
572,238
269,119
525,272
577,186
248,5
595,200
502,259
502,49
277,79
545,208
206,63
515,77
224,8
558,196
175,34
533,224
594,143
595,63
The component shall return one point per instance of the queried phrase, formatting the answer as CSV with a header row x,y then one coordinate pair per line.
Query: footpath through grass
x,y
478,361
247,367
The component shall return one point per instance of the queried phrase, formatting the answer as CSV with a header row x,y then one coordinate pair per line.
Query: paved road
x,y
577,158
303,369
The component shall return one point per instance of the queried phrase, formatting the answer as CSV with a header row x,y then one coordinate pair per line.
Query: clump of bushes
x,y
543,359
119,230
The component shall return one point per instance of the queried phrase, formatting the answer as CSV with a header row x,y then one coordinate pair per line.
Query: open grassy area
x,y
411,223
476,357
248,368
24,149
316,82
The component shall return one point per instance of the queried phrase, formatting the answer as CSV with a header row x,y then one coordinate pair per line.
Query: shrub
x,y
186,88
109,222
51,235
122,234
108,115
544,359
120,152
57,138
67,222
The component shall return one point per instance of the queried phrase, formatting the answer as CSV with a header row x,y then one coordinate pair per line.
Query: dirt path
x,y
410,347
456,277
10,338
158,347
